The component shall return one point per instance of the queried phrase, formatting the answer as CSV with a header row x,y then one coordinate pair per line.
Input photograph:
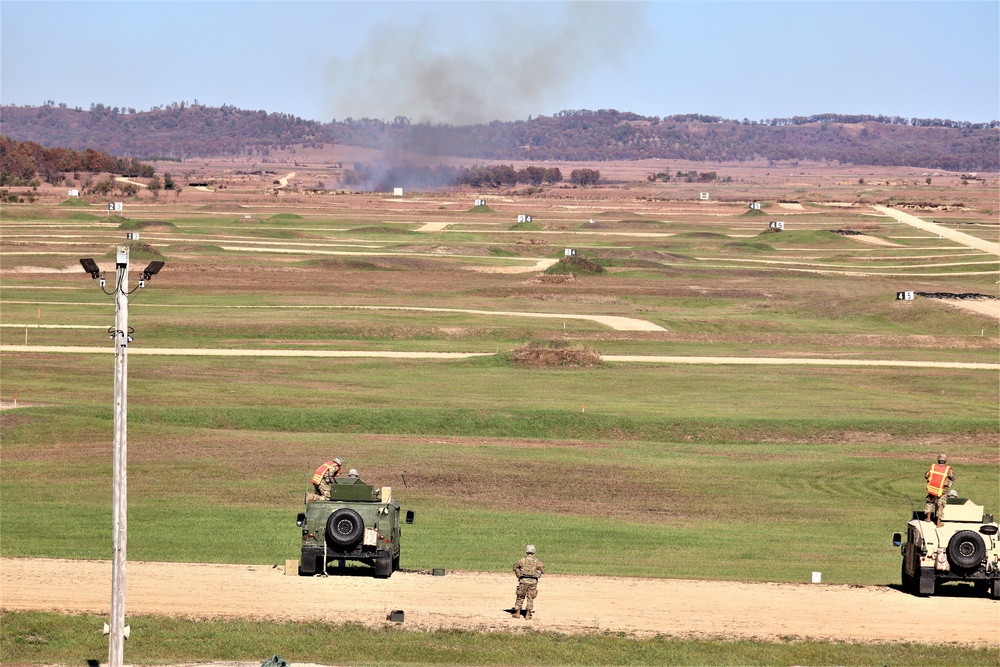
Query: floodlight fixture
x,y
151,270
90,266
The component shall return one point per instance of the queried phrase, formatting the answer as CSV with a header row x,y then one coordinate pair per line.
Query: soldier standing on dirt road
x,y
322,479
939,478
528,570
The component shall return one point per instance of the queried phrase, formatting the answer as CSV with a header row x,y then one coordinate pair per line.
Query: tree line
x,y
23,161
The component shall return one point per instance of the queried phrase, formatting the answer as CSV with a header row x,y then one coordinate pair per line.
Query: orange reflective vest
x,y
322,470
937,477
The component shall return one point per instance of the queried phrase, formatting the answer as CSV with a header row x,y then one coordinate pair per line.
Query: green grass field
x,y
40,638
635,469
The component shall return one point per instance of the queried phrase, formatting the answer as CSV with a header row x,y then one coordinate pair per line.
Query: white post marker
x,y
817,577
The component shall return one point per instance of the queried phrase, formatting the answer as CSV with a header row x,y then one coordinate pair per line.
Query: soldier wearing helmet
x,y
528,571
939,478
322,479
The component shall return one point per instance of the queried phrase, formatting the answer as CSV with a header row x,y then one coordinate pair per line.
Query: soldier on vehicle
x,y
939,478
322,479
353,472
528,570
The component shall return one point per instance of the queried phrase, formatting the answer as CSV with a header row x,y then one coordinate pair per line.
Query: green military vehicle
x,y
965,548
358,522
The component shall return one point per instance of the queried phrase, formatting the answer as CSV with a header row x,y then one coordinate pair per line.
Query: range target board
x,y
904,296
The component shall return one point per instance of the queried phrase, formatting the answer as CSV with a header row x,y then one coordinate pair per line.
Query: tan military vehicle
x,y
966,548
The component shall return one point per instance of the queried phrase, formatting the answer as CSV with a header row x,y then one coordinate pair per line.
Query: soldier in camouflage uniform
x,y
528,570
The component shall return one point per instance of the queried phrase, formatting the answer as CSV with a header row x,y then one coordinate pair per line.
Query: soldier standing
x,y
322,479
939,478
528,570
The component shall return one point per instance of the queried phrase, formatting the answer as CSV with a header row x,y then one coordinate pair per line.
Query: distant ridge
x,y
184,131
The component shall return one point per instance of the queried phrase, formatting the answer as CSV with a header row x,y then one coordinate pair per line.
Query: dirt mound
x,y
952,295
554,355
554,279
575,265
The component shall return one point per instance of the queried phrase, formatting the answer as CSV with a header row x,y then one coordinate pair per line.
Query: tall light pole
x,y
121,335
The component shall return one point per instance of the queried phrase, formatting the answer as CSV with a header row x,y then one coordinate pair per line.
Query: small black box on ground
x,y
396,615
438,572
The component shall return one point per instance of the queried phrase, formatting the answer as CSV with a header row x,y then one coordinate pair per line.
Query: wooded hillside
x,y
23,160
182,131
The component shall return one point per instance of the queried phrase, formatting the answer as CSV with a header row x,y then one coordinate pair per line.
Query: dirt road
x,y
741,361
477,601
957,237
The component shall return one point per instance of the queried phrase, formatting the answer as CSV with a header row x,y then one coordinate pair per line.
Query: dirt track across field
x,y
479,601
656,359
941,230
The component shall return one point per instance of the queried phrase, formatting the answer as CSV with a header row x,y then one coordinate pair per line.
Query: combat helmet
x,y
942,458
530,549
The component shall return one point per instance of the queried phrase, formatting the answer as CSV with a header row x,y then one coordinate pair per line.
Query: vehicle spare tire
x,y
344,528
966,549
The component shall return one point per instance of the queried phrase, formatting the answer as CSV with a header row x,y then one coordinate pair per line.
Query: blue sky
x,y
463,62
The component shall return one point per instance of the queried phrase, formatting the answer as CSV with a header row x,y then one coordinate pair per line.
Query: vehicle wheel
x,y
966,549
344,528
395,563
383,567
995,589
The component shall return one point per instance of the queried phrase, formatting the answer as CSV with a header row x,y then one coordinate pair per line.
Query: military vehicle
x,y
965,548
358,523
